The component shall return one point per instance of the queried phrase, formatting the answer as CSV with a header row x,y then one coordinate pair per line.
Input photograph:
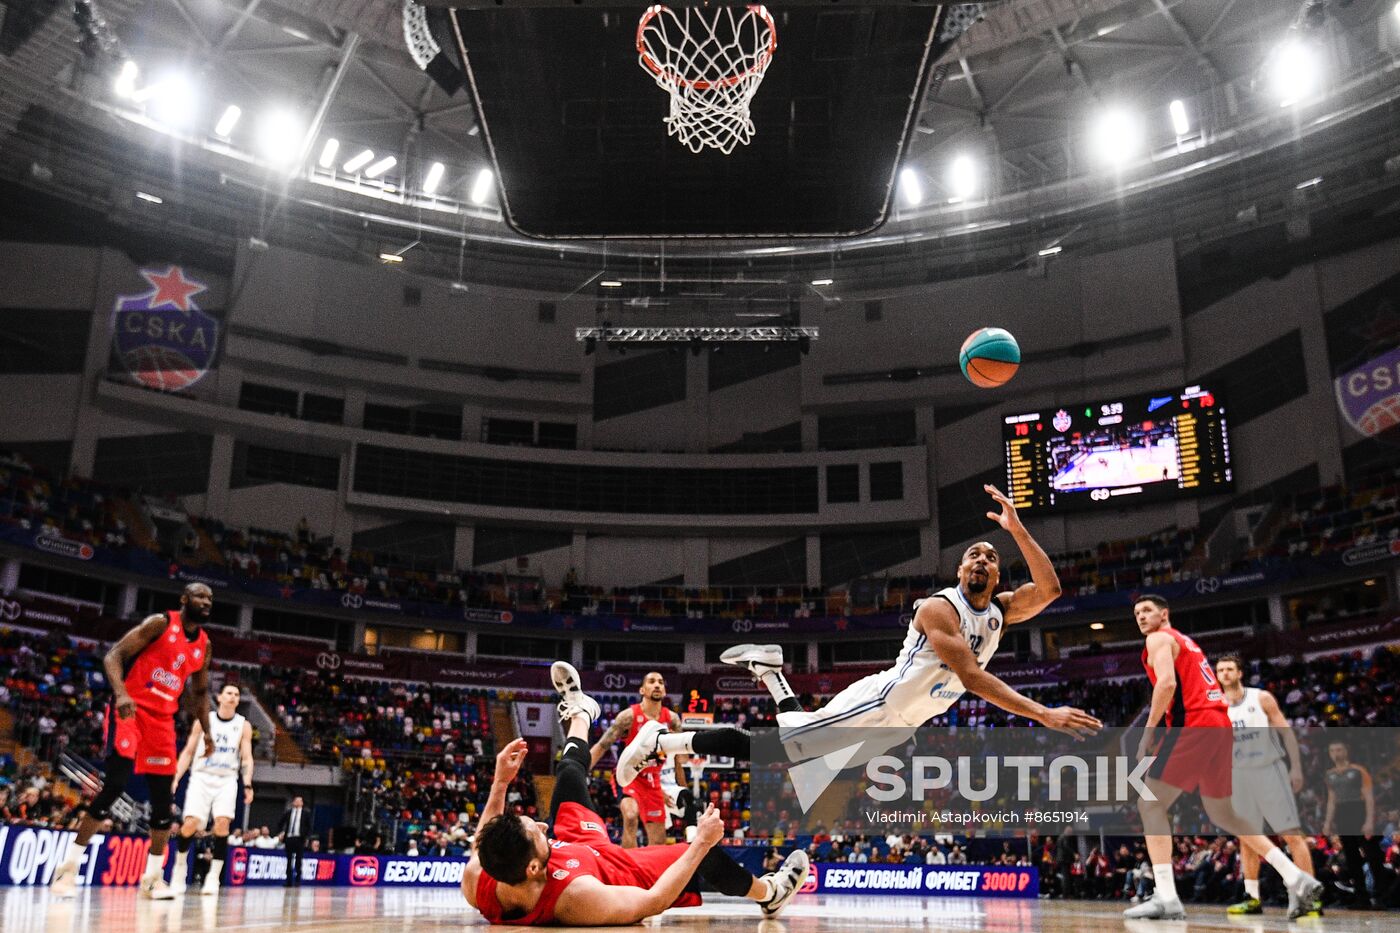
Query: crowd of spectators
x,y
423,753
1326,520
55,690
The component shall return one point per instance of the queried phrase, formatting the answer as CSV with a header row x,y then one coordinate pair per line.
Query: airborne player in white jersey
x,y
214,785
951,638
1263,785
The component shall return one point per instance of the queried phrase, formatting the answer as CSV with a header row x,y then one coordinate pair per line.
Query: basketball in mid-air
x,y
989,357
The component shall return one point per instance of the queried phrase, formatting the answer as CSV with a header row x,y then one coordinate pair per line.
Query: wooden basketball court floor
x,y
350,910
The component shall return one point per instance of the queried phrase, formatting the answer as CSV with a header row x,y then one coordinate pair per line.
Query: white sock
x,y
1251,887
1166,881
154,864
768,882
677,743
777,685
181,865
75,854
216,871
1284,866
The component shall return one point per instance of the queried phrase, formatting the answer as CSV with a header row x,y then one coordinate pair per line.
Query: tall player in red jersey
x,y
154,665
643,797
520,876
1194,754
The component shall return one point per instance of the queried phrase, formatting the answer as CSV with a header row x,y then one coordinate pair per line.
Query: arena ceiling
x,y
1017,99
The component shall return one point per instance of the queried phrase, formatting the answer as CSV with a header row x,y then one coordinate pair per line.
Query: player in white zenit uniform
x,y
1263,785
214,783
952,636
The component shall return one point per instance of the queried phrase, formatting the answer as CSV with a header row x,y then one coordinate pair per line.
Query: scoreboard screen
x,y
1125,451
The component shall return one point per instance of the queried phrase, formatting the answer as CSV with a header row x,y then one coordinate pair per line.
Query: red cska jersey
x,y
157,676
1198,700
585,849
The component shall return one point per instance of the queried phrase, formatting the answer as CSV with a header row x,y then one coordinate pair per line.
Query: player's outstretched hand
x,y
1072,722
1007,518
709,828
509,760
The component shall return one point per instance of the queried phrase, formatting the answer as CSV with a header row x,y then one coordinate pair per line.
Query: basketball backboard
x,y
575,127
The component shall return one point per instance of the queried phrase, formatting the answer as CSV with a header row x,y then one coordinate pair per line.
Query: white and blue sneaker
x,y
759,659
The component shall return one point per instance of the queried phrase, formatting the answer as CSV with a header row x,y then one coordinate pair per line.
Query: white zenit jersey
x,y
228,735
920,686
1256,745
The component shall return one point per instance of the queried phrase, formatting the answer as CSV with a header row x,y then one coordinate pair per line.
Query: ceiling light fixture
x,y
359,161
1180,124
435,173
228,121
125,84
1295,71
962,177
1116,136
482,186
910,187
279,136
380,167
328,152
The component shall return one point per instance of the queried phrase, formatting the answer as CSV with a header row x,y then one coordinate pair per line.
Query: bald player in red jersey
x,y
1194,755
157,664
519,876
642,799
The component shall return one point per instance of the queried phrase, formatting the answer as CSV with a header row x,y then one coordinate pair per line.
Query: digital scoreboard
x,y
1109,454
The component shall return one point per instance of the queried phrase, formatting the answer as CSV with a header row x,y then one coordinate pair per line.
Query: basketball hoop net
x,y
711,62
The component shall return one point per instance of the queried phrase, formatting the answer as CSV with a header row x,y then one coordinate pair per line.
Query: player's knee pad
x,y
162,797
183,842
221,848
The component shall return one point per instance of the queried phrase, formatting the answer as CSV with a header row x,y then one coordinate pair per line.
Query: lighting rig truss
x,y
688,334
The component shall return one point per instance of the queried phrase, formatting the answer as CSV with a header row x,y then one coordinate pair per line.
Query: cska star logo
x,y
163,339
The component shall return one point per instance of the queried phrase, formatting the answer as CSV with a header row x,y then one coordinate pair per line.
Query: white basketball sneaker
x,y
65,880
785,883
570,688
759,659
640,752
177,885
154,888
1156,908
211,885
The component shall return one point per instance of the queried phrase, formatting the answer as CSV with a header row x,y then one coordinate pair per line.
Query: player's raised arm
x,y
621,723
938,621
115,662
1027,600
508,762
589,902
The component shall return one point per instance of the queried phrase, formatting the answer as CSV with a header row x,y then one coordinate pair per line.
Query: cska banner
x,y
161,338
1369,395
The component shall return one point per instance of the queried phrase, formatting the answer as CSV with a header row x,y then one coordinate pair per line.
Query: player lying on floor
x,y
569,872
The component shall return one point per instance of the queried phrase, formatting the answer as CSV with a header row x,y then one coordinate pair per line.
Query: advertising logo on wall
x,y
161,339
1369,395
